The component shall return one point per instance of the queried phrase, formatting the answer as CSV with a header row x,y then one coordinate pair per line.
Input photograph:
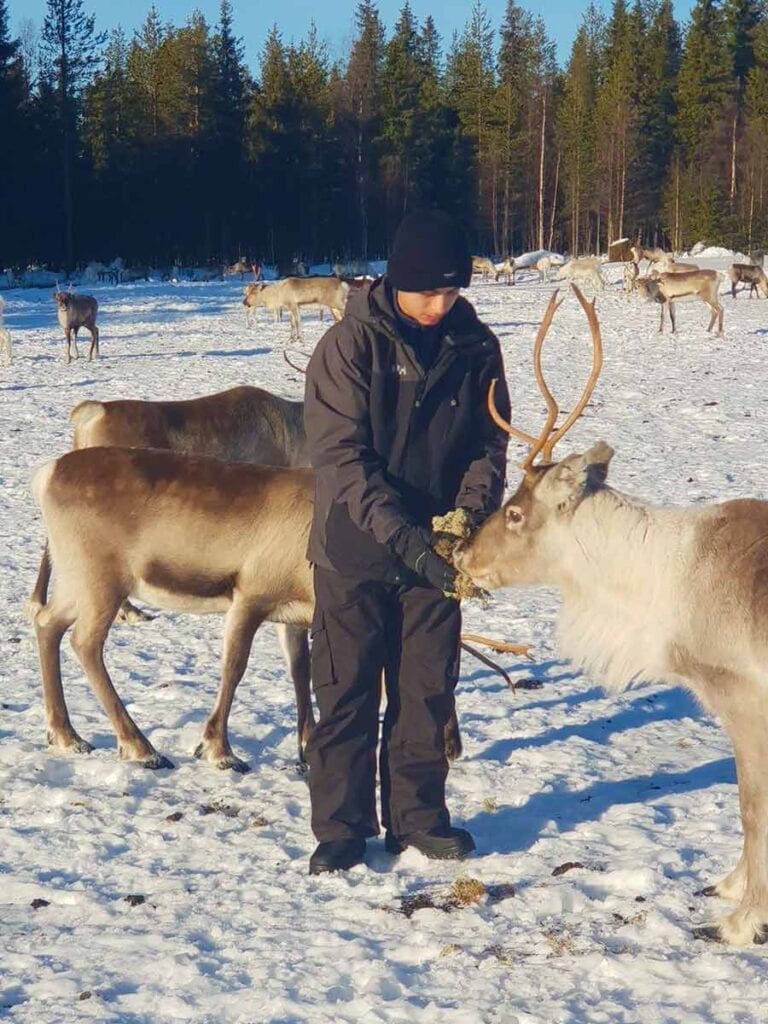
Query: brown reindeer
x,y
748,274
649,593
182,533
243,424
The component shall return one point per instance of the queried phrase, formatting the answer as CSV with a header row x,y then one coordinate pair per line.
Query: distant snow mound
x,y
530,259
713,252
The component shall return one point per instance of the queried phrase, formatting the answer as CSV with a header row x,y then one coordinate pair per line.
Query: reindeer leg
x,y
39,595
51,623
295,647
90,632
671,316
241,623
743,710
295,323
94,349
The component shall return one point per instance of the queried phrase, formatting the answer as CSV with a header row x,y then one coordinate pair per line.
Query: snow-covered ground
x,y
136,897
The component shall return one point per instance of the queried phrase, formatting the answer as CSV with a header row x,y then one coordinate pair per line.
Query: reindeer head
x,y
512,545
252,294
63,299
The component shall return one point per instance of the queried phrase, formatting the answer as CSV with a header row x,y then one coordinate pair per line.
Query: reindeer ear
x,y
567,482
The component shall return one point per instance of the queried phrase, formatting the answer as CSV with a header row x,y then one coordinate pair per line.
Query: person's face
x,y
427,308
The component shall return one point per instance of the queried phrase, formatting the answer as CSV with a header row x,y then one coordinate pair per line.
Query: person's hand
x,y
413,545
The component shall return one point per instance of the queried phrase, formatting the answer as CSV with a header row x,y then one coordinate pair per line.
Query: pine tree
x,y
14,121
741,20
577,130
470,80
144,71
522,129
615,110
400,111
308,83
440,176
69,55
658,64
705,89
359,111
226,155
756,114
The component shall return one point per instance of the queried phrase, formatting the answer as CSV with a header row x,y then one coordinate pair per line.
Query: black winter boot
x,y
438,843
337,855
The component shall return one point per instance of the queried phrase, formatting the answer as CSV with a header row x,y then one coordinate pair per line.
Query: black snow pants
x,y
364,630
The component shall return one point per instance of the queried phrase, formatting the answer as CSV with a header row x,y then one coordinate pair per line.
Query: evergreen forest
x,y
164,146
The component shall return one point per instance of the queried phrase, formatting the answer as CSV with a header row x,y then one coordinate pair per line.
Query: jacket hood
x,y
374,305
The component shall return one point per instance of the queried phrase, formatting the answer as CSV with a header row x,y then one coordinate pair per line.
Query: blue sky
x,y
253,18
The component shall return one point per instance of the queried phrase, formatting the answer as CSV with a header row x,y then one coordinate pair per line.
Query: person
x,y
398,430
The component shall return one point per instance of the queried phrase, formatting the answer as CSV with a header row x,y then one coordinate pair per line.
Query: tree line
x,y
165,146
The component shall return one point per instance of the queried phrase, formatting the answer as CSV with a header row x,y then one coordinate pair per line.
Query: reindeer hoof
x,y
157,761
708,932
708,890
74,743
131,615
453,748
235,763
229,761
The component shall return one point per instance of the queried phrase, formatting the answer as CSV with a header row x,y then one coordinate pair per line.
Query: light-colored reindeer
x,y
649,593
671,287
485,267
294,292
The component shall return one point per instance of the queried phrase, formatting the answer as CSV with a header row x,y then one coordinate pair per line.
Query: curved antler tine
x,y
552,409
539,443
500,421
299,369
597,364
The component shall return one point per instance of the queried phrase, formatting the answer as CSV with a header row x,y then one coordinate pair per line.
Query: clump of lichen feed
x,y
449,530
466,891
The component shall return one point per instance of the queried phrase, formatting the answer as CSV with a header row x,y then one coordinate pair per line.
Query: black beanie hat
x,y
430,251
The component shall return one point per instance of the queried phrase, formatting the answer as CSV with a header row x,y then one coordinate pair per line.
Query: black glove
x,y
412,545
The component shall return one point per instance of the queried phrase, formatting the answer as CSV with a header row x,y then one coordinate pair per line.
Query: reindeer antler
x,y
294,366
547,440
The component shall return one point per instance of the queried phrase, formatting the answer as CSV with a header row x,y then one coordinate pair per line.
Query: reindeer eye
x,y
514,516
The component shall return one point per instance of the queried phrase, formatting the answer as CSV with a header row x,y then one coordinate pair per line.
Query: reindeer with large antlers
x,y
649,593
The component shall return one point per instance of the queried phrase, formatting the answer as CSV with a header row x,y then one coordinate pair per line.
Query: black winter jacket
x,y
392,444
